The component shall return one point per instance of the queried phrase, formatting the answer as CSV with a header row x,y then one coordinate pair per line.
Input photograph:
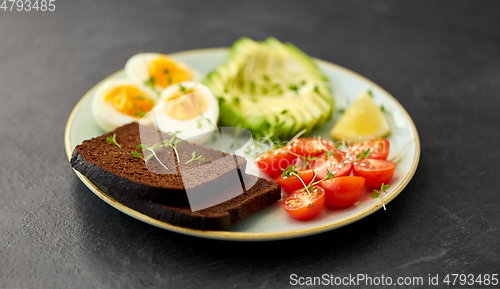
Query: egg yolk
x,y
184,106
165,71
130,100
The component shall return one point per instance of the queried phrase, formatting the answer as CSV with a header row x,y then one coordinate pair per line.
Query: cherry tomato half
x,y
379,148
374,171
343,191
305,205
305,146
333,161
275,161
329,145
292,183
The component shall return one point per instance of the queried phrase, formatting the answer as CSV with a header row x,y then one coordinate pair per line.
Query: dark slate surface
x,y
440,59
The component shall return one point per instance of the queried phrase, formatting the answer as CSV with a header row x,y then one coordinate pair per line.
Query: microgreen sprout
x,y
360,156
150,82
156,147
277,145
173,143
363,154
199,158
306,160
137,155
292,171
183,88
139,113
377,193
267,138
329,176
320,142
112,139
199,123
174,134
296,136
289,171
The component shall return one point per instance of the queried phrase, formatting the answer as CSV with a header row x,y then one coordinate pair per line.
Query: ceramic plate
x,y
273,223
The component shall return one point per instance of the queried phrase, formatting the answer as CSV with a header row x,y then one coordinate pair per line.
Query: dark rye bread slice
x,y
114,167
220,217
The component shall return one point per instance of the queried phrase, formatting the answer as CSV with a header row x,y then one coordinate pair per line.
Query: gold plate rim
x,y
243,236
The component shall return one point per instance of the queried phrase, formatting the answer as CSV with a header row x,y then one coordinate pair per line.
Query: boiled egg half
x,y
118,102
188,108
158,71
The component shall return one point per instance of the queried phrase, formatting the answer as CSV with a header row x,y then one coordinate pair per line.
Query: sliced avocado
x,y
271,88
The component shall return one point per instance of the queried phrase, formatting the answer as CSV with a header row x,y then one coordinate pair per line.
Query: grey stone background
x,y
440,59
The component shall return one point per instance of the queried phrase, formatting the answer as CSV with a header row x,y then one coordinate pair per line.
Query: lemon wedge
x,y
362,121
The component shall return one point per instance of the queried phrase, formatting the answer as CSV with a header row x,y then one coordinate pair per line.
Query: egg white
x,y
189,129
137,67
106,115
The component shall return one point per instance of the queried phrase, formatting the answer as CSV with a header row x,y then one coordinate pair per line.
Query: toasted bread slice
x,y
220,217
163,196
111,166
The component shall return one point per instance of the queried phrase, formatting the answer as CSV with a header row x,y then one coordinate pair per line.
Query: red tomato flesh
x,y
305,146
292,183
334,163
343,191
329,145
379,148
376,172
303,205
275,161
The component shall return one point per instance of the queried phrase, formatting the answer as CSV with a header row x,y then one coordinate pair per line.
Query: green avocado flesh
x,y
271,88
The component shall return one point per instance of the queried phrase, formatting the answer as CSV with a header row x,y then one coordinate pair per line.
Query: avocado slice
x,y
271,88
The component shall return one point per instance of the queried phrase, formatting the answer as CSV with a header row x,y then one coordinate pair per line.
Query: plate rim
x,y
246,236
